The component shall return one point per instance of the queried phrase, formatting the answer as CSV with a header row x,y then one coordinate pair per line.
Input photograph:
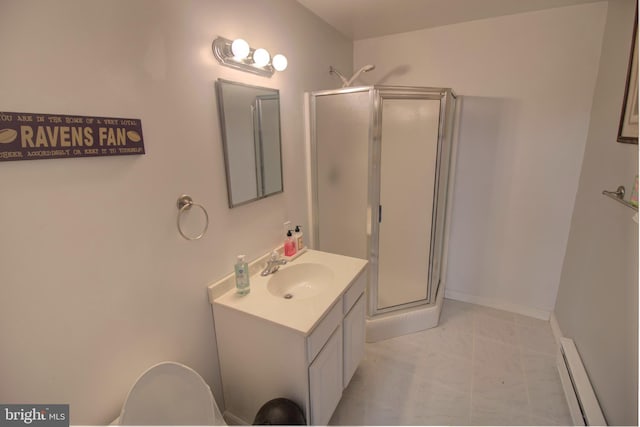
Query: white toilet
x,y
170,393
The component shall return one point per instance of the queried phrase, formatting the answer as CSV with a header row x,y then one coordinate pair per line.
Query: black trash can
x,y
280,411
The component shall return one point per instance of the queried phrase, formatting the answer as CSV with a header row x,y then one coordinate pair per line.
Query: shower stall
x,y
380,161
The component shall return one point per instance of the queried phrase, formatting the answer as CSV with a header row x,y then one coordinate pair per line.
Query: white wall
x,y
526,83
97,285
598,296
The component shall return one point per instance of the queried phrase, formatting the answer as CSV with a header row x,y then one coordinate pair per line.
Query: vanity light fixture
x,y
261,57
279,62
239,55
240,49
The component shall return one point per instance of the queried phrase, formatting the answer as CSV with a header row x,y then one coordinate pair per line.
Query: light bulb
x,y
261,57
240,49
280,62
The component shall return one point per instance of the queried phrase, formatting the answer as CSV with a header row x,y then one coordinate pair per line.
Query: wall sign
x,y
31,136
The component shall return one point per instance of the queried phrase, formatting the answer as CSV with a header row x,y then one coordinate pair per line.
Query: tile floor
x,y
480,366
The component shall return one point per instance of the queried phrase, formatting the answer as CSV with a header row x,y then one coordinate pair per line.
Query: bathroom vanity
x,y
298,334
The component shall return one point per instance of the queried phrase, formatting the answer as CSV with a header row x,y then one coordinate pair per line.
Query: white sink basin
x,y
315,280
299,281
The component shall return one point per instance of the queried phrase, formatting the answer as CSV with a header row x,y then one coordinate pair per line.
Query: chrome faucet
x,y
273,264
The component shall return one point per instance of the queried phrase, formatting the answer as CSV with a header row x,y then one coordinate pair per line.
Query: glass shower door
x,y
408,159
380,165
341,145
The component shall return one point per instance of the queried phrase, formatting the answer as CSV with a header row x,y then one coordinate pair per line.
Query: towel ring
x,y
184,204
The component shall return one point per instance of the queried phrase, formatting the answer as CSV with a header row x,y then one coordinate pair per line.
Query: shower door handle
x,y
379,214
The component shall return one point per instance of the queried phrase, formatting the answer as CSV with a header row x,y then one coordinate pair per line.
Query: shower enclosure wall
x,y
380,175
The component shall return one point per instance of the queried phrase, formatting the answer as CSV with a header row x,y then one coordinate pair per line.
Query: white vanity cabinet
x,y
325,380
262,359
353,331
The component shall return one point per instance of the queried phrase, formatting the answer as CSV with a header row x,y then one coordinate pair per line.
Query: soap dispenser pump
x,y
289,245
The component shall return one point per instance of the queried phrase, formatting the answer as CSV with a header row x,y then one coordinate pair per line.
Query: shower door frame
x,y
314,168
405,93
376,96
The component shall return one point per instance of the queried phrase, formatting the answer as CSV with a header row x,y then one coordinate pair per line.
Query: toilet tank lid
x,y
170,393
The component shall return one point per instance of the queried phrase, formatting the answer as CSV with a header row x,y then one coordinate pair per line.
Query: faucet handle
x,y
274,255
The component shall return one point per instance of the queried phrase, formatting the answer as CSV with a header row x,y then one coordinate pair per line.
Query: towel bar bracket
x,y
618,196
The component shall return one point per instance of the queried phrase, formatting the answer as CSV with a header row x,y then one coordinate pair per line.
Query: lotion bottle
x,y
297,236
289,245
242,276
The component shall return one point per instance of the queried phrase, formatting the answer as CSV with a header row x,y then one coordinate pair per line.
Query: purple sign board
x,y
31,136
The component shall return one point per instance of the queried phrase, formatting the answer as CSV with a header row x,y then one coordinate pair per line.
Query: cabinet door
x,y
354,337
325,380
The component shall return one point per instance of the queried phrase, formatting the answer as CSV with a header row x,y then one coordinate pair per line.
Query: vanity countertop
x,y
300,314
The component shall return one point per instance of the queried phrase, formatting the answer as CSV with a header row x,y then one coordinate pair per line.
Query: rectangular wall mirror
x,y
250,124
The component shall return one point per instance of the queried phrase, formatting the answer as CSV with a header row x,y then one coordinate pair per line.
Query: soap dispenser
x,y
242,276
297,236
289,245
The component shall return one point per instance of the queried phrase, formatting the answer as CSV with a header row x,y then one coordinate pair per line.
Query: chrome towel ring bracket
x,y
185,203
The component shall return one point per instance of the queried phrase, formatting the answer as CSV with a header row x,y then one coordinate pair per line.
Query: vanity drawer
x,y
323,331
354,291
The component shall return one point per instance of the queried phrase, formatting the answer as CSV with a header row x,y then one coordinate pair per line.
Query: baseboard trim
x,y
581,398
234,420
498,304
555,328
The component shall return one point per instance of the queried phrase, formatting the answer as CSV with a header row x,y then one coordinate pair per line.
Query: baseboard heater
x,y
583,404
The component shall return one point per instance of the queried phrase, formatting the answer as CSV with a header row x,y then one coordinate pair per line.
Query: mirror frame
x,y
257,143
628,130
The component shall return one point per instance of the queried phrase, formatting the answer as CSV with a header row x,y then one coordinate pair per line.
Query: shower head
x,y
339,74
364,69
347,83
